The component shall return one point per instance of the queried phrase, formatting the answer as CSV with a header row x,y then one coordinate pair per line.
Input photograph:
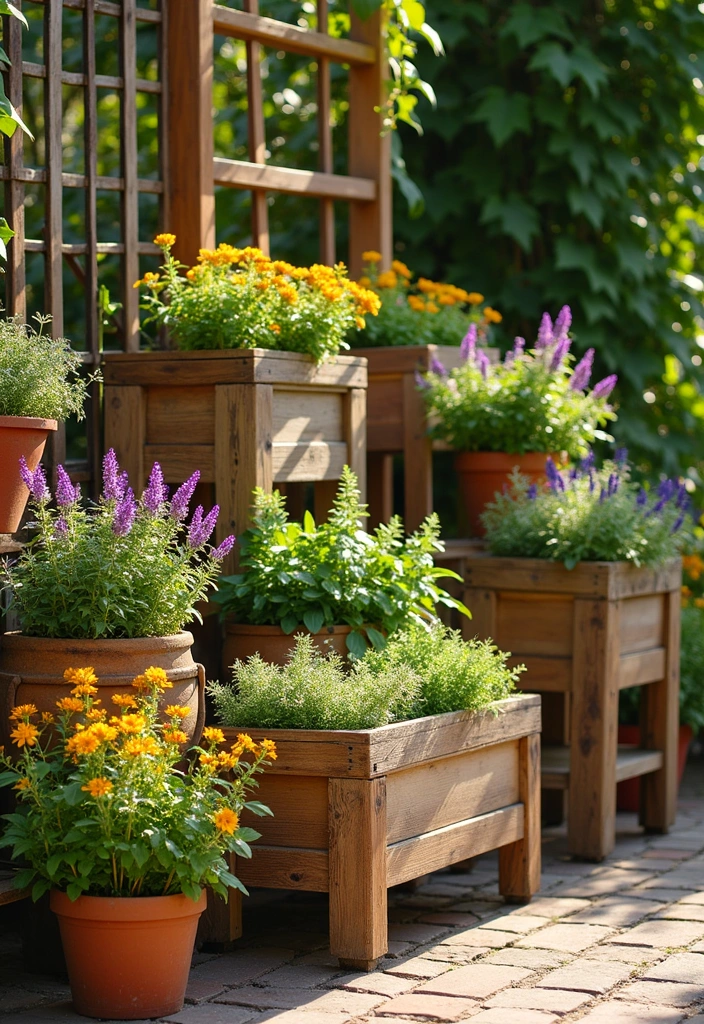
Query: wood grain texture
x,y
519,862
357,851
125,430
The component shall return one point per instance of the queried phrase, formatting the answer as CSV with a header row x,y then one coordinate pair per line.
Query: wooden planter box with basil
x,y
358,811
584,634
244,418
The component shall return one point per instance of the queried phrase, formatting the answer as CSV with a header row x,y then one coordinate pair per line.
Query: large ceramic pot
x,y
19,435
242,641
128,957
482,474
32,671
628,791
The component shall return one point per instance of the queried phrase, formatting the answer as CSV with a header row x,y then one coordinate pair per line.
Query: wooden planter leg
x,y
357,832
519,863
591,829
660,728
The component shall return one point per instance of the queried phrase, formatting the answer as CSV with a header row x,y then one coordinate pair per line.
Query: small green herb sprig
x,y
587,515
336,573
39,376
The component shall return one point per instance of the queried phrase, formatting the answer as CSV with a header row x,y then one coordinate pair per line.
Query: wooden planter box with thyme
x,y
244,418
584,634
358,811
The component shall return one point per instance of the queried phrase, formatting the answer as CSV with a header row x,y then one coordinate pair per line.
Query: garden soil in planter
x,y
32,671
482,474
19,435
242,641
128,958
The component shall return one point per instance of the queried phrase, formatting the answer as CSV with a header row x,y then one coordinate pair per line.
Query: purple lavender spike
x,y
582,371
469,342
224,548
604,387
561,350
182,497
66,493
125,512
437,367
483,363
201,528
545,333
114,481
156,491
563,322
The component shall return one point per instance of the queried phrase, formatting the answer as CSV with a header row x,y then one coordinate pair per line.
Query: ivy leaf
x,y
517,218
504,113
582,200
553,58
528,24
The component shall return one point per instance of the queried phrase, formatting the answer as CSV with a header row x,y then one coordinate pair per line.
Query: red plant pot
x,y
628,791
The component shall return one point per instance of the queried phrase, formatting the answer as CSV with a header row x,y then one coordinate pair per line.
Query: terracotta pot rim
x,y
28,423
16,638
243,627
127,908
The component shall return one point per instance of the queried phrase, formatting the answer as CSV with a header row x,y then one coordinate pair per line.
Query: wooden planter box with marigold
x,y
244,418
358,811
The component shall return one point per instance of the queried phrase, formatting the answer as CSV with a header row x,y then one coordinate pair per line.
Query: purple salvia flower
x,y
114,481
483,363
437,367
563,322
201,528
642,498
582,371
469,342
182,497
533,492
156,491
66,493
125,512
561,350
224,548
545,336
421,382
604,387
35,481
621,456
60,528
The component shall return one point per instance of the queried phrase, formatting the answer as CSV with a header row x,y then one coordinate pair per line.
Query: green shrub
x,y
588,515
39,375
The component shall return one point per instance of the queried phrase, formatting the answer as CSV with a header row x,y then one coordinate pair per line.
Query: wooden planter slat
x,y
358,811
245,419
584,634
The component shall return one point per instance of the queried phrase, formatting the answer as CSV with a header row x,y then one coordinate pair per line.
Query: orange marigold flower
x,y
72,704
83,742
371,256
23,783
177,711
268,748
474,298
23,711
165,240
76,676
226,820
123,700
213,735
97,787
174,735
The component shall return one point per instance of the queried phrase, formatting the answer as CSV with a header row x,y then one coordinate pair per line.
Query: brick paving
x,y
616,943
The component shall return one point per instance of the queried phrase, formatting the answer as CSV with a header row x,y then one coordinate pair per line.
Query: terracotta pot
x,y
128,958
32,671
482,474
242,641
628,791
19,435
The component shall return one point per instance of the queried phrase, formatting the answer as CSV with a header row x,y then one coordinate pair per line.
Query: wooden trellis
x,y
188,172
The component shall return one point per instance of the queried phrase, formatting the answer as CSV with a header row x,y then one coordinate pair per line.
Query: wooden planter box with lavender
x,y
584,634
358,811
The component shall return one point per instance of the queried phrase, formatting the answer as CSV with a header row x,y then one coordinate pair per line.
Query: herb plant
x,y
121,568
239,298
587,515
533,401
39,375
420,312
335,573
103,809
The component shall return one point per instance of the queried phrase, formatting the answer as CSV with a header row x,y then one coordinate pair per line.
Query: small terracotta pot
x,y
128,958
32,672
19,435
482,474
628,791
242,641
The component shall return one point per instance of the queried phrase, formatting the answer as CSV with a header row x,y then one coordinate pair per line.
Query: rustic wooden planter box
x,y
397,424
584,635
356,812
244,418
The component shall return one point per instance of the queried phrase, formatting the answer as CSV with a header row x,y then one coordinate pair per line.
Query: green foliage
x,y
567,139
526,403
419,672
313,691
593,516
104,810
455,675
335,573
39,376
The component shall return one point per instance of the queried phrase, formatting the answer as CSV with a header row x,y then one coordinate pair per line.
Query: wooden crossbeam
x,y
241,174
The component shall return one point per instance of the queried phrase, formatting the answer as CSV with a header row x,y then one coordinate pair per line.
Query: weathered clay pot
x,y
242,641
19,435
128,957
482,474
32,671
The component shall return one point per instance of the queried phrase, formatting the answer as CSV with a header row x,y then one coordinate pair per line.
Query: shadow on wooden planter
x,y
357,812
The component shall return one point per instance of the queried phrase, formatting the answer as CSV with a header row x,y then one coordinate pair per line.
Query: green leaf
x,y
505,113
